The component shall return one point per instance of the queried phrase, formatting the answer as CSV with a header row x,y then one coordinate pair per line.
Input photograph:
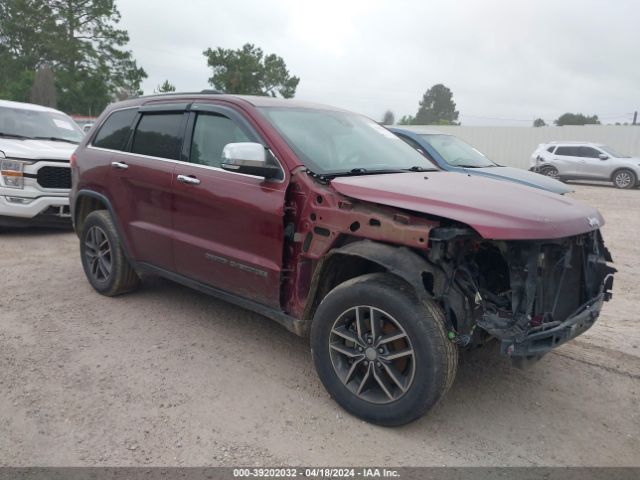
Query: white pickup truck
x,y
36,144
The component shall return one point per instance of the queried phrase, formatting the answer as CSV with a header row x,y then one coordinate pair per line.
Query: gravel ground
x,y
168,376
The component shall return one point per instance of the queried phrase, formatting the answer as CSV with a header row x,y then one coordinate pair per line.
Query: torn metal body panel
x,y
531,294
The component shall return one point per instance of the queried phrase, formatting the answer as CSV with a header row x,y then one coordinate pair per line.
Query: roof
x,y
27,106
418,130
255,100
573,142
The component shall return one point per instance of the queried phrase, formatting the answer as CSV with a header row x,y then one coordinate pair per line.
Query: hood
x,y
36,149
522,176
495,209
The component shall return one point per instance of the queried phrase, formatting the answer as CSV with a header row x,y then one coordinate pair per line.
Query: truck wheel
x,y
103,259
380,352
624,178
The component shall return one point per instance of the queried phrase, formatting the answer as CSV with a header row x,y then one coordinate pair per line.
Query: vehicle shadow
x,y
33,231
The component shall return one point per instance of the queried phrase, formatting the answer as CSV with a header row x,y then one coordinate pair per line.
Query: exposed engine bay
x,y
532,295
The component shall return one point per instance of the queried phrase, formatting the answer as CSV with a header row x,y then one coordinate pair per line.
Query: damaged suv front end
x,y
532,295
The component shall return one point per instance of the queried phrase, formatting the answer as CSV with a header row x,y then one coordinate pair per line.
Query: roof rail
x,y
207,90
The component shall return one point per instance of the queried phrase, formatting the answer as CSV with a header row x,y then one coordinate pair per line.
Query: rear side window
x,y
159,135
210,135
115,131
550,149
568,151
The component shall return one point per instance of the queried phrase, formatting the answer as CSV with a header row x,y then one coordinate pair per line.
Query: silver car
x,y
586,161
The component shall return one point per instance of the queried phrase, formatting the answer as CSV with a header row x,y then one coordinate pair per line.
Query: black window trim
x,y
190,112
221,110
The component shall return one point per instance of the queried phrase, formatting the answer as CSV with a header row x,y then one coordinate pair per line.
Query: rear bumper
x,y
541,340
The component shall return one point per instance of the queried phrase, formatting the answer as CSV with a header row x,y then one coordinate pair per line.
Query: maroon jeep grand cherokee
x,y
334,227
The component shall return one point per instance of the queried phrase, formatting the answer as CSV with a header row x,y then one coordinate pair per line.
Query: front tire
x,y
380,352
624,178
550,171
103,258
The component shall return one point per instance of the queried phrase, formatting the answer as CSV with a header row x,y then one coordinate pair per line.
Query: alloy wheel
x,y
98,253
623,179
372,354
551,172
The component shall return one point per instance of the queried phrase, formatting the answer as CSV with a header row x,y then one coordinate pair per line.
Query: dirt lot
x,y
168,376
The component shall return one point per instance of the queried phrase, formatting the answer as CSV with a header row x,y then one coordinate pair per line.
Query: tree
x,y
165,87
91,50
576,119
538,122
43,91
388,118
407,120
28,32
437,107
248,71
78,40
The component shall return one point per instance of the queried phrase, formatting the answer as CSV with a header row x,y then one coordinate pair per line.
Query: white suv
x,y
585,161
36,144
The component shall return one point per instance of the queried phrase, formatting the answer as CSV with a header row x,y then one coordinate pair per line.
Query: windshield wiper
x,y
417,168
55,139
362,171
15,135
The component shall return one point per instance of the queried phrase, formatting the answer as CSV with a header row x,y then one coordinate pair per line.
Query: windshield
x,y
333,142
612,152
23,123
456,152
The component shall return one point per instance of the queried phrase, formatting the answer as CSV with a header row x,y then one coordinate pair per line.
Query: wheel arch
x,y
367,256
87,201
618,169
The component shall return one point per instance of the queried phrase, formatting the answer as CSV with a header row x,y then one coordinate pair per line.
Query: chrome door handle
x,y
120,165
188,180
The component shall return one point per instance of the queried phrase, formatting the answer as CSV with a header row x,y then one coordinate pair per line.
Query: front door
x,y
228,227
593,166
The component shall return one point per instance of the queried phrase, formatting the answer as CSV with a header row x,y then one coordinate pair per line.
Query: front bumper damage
x,y
531,295
539,340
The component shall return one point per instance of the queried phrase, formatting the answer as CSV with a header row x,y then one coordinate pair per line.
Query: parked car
x,y
329,224
586,161
35,146
452,154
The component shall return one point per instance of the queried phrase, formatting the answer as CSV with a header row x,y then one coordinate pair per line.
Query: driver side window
x,y
210,134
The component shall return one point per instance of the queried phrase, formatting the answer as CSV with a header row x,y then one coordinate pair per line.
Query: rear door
x,y
228,226
142,183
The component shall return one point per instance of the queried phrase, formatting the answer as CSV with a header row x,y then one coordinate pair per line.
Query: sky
x,y
507,62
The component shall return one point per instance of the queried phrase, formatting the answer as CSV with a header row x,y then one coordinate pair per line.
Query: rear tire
x,y
389,371
103,258
624,178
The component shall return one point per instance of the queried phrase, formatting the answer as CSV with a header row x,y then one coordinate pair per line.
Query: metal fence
x,y
513,146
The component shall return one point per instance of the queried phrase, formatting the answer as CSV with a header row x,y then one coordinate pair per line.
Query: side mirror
x,y
602,156
249,158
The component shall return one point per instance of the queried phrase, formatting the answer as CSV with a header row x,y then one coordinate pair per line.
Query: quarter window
x,y
550,149
210,134
115,131
159,135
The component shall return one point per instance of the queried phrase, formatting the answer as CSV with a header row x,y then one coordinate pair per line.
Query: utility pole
x,y
635,117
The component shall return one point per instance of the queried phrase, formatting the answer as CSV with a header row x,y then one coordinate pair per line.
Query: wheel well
x,y
623,168
84,206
